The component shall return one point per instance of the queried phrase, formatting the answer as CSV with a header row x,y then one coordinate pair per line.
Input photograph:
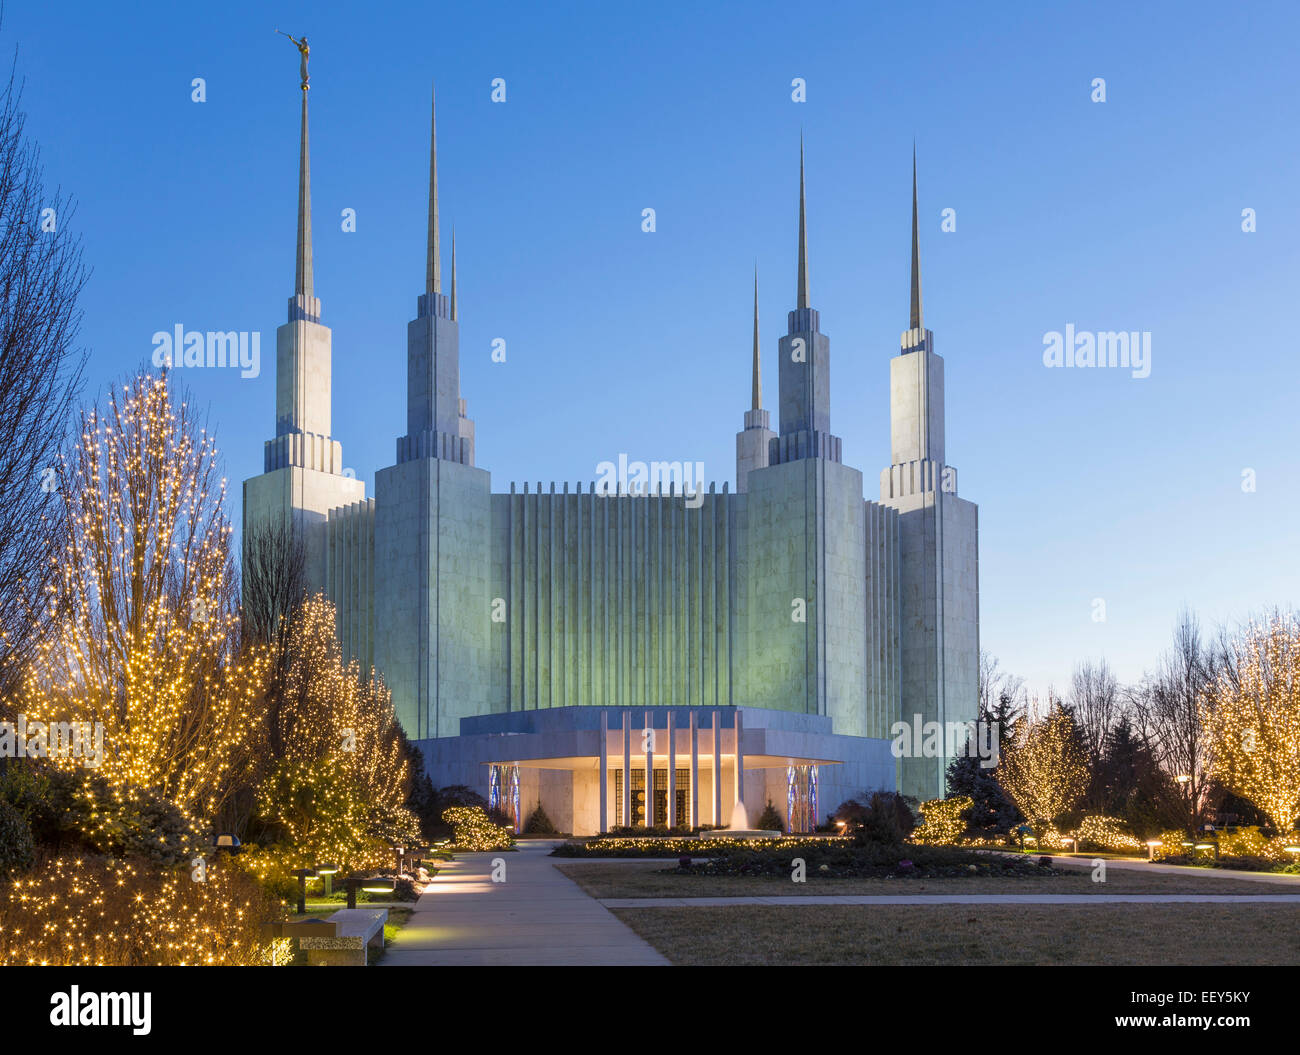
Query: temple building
x,y
661,657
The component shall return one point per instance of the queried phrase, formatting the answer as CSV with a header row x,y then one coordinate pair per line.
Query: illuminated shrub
x,y
1171,844
1244,842
942,820
1107,833
96,911
472,830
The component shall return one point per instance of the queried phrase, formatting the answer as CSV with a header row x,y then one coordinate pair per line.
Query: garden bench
x,y
357,931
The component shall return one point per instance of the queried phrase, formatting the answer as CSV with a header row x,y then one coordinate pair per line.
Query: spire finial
x,y
303,273
433,265
758,382
453,272
802,300
916,252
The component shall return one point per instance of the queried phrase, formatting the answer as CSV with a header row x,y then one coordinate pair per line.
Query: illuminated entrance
x,y
681,792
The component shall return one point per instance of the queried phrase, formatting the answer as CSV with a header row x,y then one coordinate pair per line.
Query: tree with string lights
x,y
339,782
1252,717
1043,767
144,633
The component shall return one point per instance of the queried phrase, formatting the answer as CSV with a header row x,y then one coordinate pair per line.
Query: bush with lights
x,y
1106,833
99,911
943,820
472,830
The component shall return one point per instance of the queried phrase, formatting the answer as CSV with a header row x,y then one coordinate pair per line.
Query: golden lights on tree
x,y
1043,767
338,790
1252,714
144,620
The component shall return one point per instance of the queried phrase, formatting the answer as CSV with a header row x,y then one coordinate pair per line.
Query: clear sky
x,y
1116,215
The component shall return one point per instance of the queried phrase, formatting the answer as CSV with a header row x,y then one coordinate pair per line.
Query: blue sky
x,y
1122,215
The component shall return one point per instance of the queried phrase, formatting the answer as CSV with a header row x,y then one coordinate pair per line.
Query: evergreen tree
x,y
992,813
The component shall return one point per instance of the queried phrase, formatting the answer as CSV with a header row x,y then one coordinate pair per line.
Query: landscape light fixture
x,y
327,873
1151,848
303,875
370,884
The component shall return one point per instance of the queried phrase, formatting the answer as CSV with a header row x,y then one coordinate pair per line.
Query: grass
x,y
397,918
1110,935
626,880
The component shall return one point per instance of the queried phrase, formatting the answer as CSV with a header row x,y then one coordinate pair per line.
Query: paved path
x,y
953,899
538,916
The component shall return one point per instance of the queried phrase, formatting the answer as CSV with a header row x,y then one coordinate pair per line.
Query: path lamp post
x,y
1151,848
1185,779
327,873
370,884
303,875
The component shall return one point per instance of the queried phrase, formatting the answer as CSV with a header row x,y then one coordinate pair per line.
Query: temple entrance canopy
x,y
596,768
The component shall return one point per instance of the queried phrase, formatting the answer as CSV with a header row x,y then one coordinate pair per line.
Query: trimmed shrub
x,y
472,830
770,820
1108,833
887,820
538,822
942,820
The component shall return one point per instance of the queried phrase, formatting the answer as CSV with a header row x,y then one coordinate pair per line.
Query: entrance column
x,y
648,737
672,771
604,770
695,771
740,763
717,767
627,768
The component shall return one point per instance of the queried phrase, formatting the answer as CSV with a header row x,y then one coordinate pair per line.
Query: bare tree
x,y
273,590
996,683
1167,712
41,276
1094,699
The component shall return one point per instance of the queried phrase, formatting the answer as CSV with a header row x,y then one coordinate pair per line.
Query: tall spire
x,y
303,277
802,301
433,264
758,381
453,273
916,253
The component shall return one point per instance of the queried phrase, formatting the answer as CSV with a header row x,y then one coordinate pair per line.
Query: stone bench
x,y
357,930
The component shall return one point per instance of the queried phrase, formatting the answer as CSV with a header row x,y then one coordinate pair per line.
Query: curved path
x,y
537,916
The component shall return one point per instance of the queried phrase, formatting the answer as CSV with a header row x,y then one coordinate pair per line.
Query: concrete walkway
x,y
537,917
954,899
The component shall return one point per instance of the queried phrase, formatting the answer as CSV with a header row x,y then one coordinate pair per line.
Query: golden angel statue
x,y
303,50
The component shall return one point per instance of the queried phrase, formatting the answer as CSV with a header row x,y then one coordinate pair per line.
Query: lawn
x,y
1143,935
647,880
